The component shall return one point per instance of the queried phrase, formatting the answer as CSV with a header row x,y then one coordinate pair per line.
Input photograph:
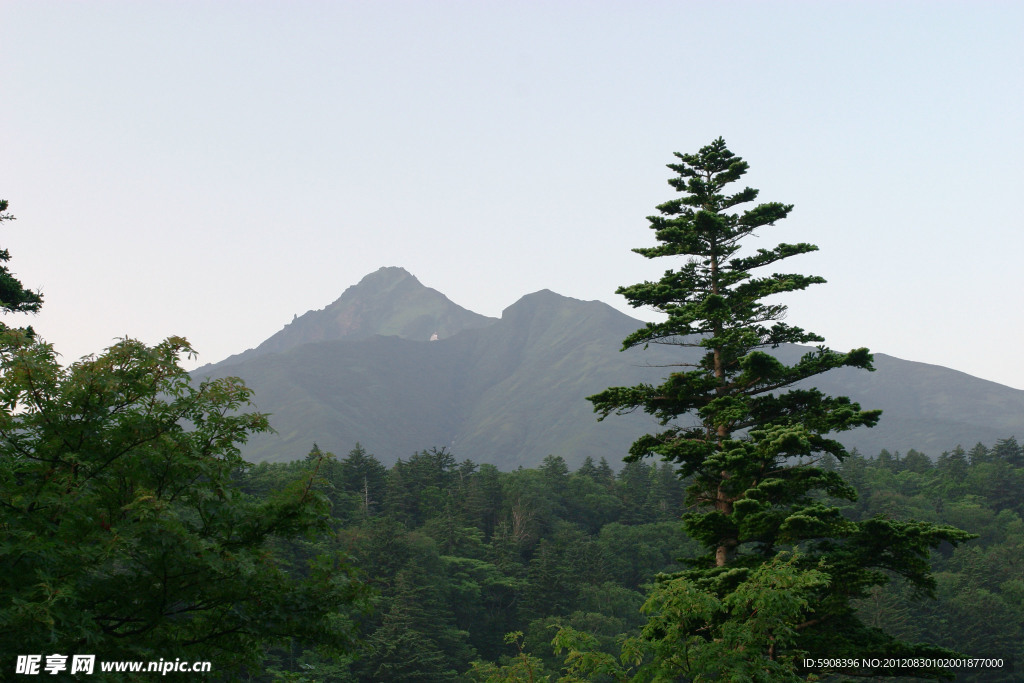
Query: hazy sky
x,y
209,169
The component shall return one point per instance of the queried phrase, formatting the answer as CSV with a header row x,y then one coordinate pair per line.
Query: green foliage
x,y
450,587
750,442
460,555
693,634
1009,451
522,668
124,532
978,599
360,473
14,298
410,644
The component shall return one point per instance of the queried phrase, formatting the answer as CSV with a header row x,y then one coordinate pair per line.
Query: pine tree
x,y
588,468
916,461
605,475
979,454
1008,450
735,424
362,474
402,648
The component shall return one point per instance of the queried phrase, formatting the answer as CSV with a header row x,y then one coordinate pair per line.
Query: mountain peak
x,y
389,301
386,275
550,302
540,298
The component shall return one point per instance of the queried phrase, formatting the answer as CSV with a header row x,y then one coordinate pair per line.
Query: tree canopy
x,y
124,532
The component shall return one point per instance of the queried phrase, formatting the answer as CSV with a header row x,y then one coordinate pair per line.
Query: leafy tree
x,y
448,590
531,507
687,637
693,634
590,504
453,534
14,298
637,552
481,600
523,668
736,425
667,493
1000,483
122,530
417,638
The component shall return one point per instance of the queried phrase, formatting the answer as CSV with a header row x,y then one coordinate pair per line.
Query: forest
x,y
460,555
743,542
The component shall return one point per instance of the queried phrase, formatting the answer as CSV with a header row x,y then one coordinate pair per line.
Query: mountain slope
x,y
513,390
927,407
509,393
531,374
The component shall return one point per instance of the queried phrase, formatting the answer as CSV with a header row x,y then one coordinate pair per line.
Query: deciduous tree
x,y
122,531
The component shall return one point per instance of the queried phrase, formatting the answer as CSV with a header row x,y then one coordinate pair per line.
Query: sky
x,y
211,169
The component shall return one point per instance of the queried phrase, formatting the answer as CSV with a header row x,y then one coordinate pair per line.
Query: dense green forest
x,y
458,555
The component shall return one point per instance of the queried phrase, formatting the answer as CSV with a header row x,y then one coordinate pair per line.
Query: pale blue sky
x,y
210,169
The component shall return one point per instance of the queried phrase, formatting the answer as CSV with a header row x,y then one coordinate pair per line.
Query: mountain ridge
x,y
512,390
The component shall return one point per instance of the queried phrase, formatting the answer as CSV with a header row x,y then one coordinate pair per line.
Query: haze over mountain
x,y
510,391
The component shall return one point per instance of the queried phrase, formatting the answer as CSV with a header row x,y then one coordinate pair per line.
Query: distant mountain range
x,y
510,391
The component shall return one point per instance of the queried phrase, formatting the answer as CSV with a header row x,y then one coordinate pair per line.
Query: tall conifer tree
x,y
735,423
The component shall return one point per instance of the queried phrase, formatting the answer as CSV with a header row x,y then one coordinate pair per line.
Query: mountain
x,y
510,391
388,302
927,407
